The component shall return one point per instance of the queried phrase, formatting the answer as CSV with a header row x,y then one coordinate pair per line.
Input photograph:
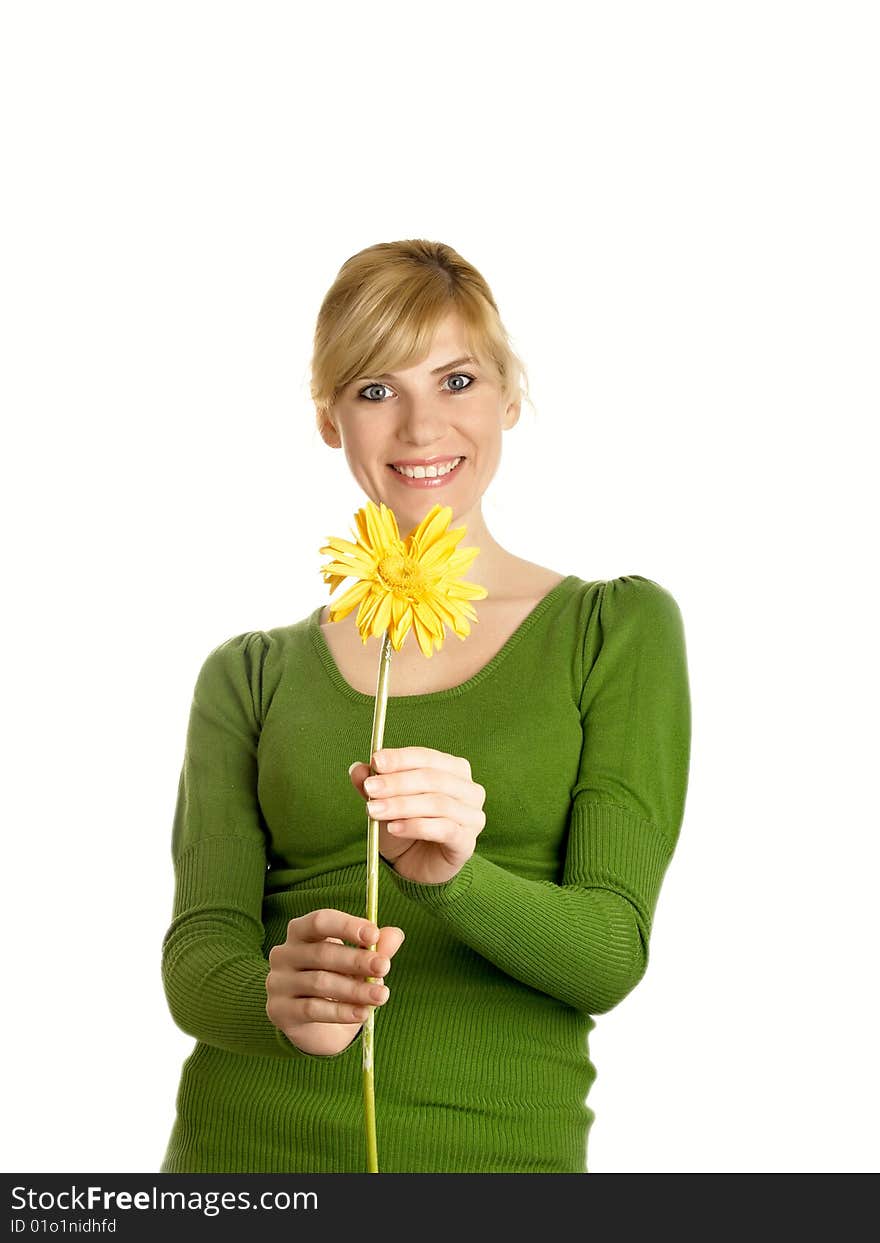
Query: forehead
x,y
449,345
450,334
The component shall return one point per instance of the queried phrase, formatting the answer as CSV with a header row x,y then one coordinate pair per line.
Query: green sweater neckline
x,y
451,692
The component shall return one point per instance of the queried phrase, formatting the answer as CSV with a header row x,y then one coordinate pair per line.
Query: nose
x,y
422,423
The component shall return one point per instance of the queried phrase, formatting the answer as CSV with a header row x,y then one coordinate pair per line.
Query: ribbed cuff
x,y
444,894
579,944
293,1050
611,848
213,968
608,848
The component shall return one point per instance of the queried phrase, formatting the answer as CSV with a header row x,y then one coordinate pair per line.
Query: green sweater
x,y
579,731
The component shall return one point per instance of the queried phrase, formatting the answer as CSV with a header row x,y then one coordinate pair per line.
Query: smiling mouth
x,y
433,471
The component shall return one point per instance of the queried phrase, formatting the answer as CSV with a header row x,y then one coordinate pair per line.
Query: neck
x,y
494,566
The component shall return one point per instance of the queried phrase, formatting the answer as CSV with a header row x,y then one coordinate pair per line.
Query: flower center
x,y
400,573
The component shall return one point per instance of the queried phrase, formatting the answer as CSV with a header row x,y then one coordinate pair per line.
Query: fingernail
x,y
379,759
351,767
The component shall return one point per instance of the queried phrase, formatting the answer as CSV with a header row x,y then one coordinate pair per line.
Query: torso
x,y
457,660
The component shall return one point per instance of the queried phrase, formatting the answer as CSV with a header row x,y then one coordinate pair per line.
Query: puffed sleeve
x,y
628,803
585,941
213,968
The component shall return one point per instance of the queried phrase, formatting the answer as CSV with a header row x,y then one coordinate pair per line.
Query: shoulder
x,y
258,648
642,612
252,665
634,596
238,651
232,674
627,596
629,614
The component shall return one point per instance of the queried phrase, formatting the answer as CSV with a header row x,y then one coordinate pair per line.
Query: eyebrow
x,y
456,362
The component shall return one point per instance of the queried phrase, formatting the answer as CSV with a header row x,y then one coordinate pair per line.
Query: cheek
x,y
361,449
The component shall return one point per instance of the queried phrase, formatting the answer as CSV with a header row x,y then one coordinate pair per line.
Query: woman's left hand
x,y
431,810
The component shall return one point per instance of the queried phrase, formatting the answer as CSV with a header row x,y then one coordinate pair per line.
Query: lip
x,y
427,483
426,461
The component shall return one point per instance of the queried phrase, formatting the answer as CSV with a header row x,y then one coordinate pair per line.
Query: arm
x,y
213,968
585,941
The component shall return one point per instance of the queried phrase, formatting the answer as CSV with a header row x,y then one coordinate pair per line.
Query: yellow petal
x,y
442,549
341,545
383,615
432,526
362,533
453,617
461,627
461,560
389,524
366,611
401,630
423,636
440,605
427,616
348,568
343,606
374,527
462,590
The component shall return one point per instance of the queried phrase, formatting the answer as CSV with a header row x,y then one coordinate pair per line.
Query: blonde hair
x,y
381,312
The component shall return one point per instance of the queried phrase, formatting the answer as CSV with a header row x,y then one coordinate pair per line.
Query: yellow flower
x,y
404,583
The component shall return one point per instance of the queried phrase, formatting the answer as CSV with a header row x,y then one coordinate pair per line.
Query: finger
x,y
288,985
332,955
423,781
341,988
327,922
390,940
393,759
320,1010
286,1011
358,772
391,845
433,829
441,806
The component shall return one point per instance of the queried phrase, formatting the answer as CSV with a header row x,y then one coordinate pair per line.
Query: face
x,y
432,410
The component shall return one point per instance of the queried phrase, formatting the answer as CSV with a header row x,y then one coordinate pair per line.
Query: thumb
x,y
359,772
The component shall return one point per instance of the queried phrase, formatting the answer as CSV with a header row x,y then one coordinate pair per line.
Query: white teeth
x,y
427,472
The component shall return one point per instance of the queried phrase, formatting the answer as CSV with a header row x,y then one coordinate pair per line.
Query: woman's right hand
x,y
317,988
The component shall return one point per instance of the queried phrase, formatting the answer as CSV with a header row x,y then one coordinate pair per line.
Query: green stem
x,y
373,905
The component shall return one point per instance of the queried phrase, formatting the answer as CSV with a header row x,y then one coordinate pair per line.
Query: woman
x,y
533,788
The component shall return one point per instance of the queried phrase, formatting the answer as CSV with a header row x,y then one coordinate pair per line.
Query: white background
x,y
676,206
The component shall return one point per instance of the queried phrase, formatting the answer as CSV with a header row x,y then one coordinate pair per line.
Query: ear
x,y
329,433
511,414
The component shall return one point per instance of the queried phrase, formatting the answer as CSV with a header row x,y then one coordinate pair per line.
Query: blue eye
x,y
456,375
365,390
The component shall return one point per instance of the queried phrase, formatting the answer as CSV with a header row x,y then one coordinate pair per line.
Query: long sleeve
x,y
585,941
213,968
